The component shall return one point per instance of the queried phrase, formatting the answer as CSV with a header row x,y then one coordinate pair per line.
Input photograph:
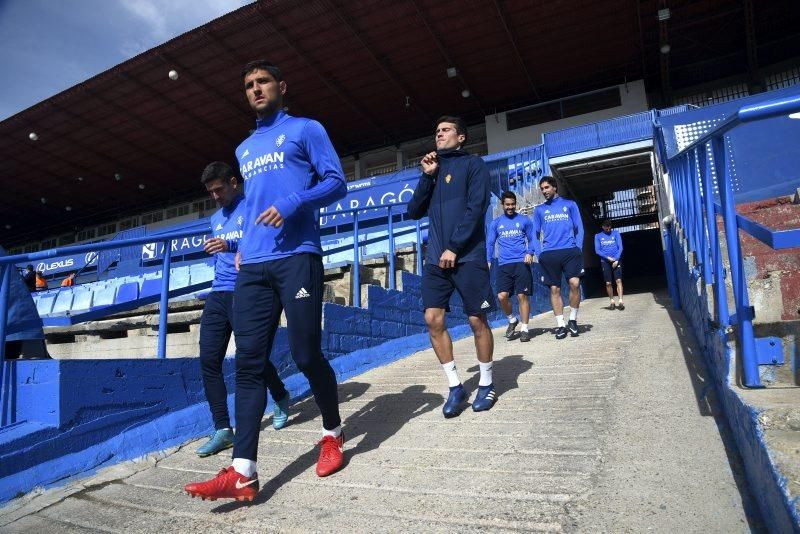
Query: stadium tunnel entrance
x,y
618,184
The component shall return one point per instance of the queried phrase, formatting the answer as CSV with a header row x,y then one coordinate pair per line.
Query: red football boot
x,y
228,484
331,455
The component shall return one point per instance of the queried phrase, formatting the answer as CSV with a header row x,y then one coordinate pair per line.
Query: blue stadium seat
x,y
151,286
63,302
104,296
44,304
82,299
179,277
127,292
201,272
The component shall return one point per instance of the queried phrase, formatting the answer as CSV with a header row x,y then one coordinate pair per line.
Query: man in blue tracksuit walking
x,y
558,220
454,192
513,234
216,323
291,170
608,246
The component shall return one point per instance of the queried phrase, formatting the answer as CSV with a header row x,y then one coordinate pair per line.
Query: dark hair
x,y
461,126
604,223
29,267
508,194
263,64
550,180
217,170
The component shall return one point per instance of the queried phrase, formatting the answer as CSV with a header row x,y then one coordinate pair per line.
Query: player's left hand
x,y
270,217
237,260
614,264
528,259
447,259
215,245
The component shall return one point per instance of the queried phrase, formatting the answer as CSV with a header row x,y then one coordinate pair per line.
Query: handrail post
x,y
5,392
702,245
419,250
164,306
5,287
356,266
720,294
392,279
745,323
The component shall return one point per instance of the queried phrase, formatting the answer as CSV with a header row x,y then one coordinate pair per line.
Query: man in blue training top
x,y
291,170
513,234
608,245
559,253
454,192
216,323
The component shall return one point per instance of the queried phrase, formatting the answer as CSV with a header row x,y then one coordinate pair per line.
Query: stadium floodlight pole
x,y
164,306
356,269
392,280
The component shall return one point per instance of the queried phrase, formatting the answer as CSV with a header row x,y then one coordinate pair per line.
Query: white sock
x,y
246,468
336,432
573,314
512,318
560,320
486,374
524,327
452,373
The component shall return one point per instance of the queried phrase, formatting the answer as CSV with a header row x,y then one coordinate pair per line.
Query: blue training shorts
x,y
554,263
609,274
470,279
515,279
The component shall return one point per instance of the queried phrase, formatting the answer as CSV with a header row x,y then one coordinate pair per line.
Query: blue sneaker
x,y
455,399
280,413
219,441
484,399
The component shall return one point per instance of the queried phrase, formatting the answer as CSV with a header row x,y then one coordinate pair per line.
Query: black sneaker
x,y
611,306
510,329
621,306
524,336
561,333
572,326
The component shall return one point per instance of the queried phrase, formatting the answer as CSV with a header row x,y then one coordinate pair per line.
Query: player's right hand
x,y
430,163
215,245
237,260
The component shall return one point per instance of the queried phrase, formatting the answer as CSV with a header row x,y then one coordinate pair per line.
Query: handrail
x,y
691,171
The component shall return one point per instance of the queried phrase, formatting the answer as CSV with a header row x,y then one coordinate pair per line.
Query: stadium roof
x,y
373,72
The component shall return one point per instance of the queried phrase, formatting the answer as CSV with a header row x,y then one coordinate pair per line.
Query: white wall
x,y
633,99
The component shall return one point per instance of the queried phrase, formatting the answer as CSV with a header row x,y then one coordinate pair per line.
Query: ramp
x,y
612,431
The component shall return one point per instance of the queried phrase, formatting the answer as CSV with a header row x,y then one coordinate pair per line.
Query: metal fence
x,y
692,173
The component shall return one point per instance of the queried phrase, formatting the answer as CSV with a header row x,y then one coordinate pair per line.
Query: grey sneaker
x,y
561,333
524,336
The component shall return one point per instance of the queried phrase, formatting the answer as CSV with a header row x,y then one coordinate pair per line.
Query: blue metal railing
x,y
691,172
602,134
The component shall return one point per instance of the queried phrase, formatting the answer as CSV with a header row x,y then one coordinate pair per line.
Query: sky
x,y
47,46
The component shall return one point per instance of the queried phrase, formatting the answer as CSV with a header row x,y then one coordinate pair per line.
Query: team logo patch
x,y
279,141
219,227
517,225
565,209
239,220
246,152
448,178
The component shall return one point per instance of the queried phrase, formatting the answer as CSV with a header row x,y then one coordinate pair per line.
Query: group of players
x,y
268,260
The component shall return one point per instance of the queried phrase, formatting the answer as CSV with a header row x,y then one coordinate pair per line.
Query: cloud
x,y
164,20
